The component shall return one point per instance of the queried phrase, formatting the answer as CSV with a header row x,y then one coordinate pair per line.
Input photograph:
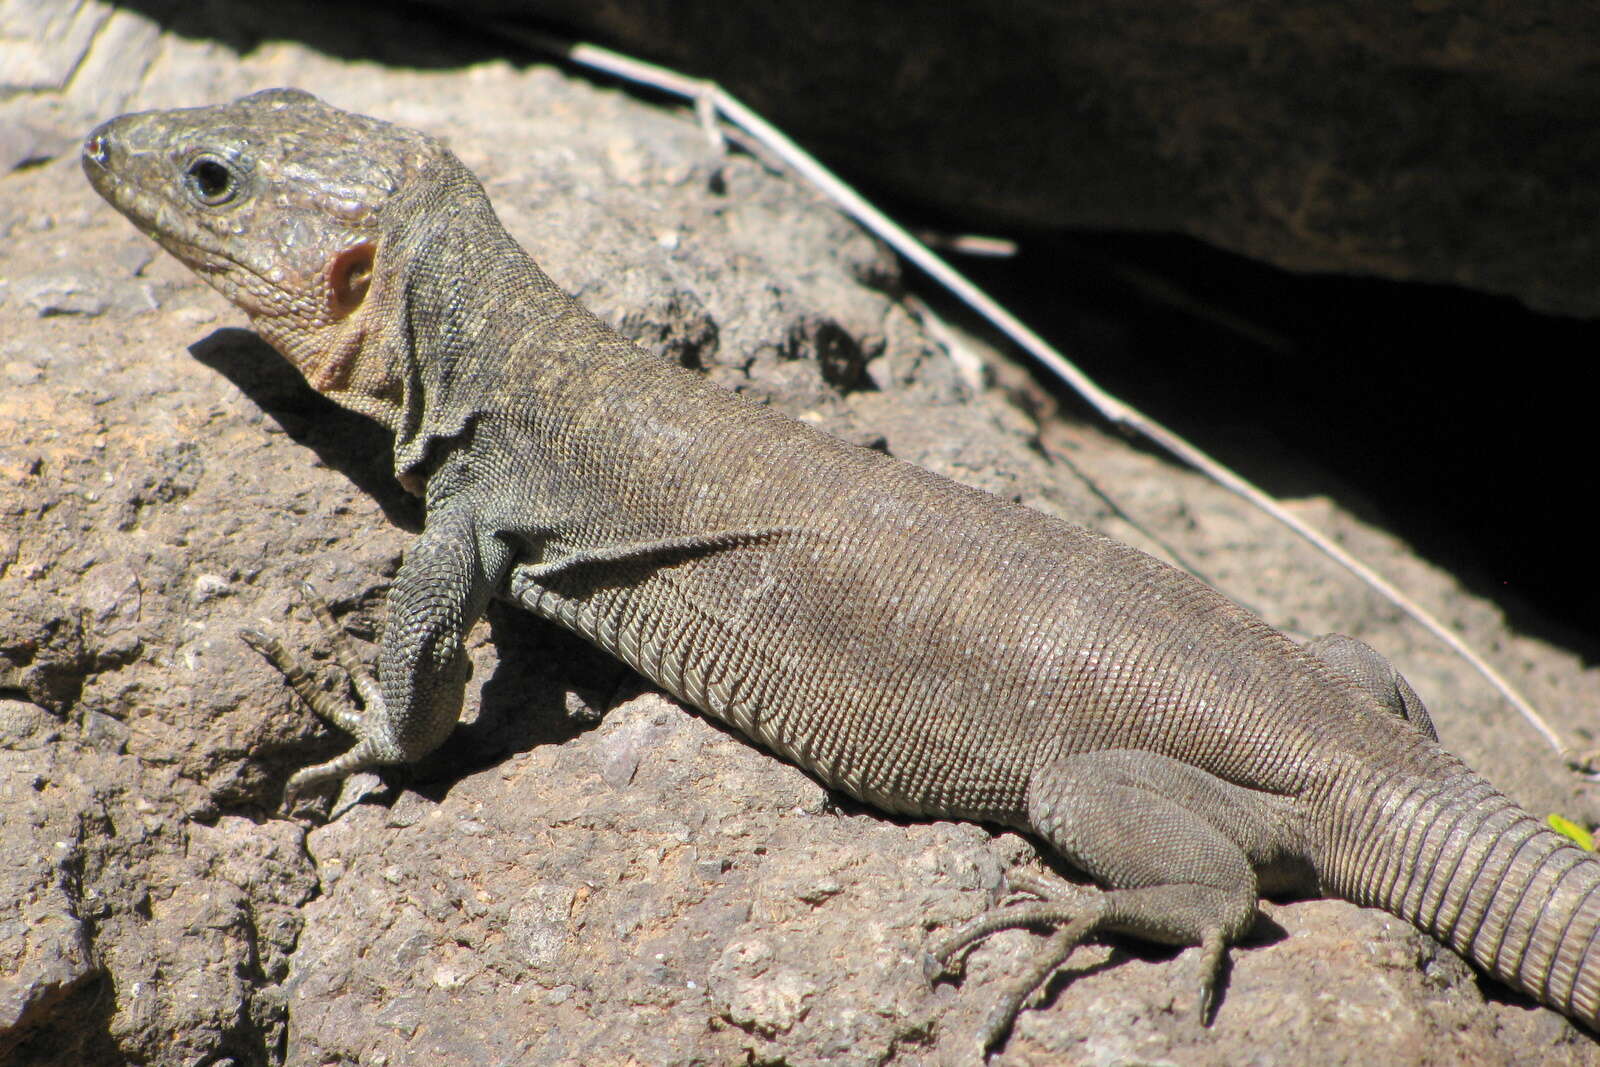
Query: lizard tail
x,y
1469,867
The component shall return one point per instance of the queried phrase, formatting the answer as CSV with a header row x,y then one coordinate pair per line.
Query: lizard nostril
x,y
96,149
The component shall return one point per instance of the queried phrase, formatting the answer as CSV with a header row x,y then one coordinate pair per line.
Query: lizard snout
x,y
97,155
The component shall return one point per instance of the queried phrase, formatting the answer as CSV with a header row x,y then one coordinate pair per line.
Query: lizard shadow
x,y
546,687
352,444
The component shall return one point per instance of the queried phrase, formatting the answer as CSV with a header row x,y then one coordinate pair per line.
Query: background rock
x,y
545,889
1429,141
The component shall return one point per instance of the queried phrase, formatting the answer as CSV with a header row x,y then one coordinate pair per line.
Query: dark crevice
x,y
70,1030
1442,415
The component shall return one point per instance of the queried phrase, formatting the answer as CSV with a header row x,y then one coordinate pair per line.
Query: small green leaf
x,y
1568,828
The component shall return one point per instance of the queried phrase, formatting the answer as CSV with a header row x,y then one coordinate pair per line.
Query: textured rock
x,y
547,889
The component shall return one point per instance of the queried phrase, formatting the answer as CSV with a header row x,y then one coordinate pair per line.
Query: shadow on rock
x,y
351,444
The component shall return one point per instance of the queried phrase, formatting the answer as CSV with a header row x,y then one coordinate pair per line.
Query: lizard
x,y
917,644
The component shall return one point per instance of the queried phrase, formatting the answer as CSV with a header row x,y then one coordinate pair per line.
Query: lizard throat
x,y
344,363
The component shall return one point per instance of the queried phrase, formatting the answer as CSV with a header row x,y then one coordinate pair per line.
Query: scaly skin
x,y
917,644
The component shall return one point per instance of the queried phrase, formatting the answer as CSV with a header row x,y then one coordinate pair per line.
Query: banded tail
x,y
1465,864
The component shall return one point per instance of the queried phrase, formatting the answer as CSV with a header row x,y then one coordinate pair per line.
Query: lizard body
x,y
920,645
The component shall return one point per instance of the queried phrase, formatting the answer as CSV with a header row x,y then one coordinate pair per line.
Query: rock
x,y
1424,141
545,889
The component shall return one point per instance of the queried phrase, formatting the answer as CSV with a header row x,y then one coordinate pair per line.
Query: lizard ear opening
x,y
349,274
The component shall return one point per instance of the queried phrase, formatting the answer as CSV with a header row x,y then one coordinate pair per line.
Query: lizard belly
x,y
898,746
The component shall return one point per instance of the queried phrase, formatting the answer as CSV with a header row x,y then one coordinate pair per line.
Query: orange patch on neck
x,y
346,279
334,372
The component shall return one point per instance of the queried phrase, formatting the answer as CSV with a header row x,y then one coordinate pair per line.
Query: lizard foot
x,y
1076,915
331,708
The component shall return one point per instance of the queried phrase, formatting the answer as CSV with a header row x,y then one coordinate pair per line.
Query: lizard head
x,y
276,200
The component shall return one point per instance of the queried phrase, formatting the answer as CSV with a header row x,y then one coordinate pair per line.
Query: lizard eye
x,y
211,181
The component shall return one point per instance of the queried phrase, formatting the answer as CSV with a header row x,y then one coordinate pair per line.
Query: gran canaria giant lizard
x,y
920,645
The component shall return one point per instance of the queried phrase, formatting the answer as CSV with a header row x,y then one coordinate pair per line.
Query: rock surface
x,y
554,886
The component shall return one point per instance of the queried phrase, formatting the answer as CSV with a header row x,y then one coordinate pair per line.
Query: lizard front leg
x,y
412,705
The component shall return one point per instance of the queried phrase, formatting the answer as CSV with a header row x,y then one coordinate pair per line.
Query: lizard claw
x,y
329,707
1213,958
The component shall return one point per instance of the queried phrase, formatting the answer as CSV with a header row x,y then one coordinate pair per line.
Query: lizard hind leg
x,y
1174,847
1375,676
